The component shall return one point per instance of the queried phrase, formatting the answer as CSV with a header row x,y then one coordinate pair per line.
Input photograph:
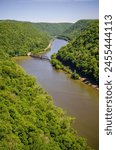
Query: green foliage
x,y
58,65
75,75
82,53
53,29
19,38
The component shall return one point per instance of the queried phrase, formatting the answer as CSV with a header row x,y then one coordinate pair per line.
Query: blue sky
x,y
49,10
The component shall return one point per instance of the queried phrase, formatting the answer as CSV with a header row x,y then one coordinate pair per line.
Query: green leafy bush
x,y
74,75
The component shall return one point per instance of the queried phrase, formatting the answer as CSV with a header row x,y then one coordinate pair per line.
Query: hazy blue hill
x,y
76,28
19,38
54,29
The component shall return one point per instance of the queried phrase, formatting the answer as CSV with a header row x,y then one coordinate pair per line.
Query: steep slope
x,y
75,29
82,53
19,38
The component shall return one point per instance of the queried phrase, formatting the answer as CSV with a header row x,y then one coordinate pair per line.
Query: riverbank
x,y
44,50
89,82
58,65
49,46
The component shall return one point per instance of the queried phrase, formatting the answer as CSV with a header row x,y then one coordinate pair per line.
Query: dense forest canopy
x,y
82,52
28,118
19,38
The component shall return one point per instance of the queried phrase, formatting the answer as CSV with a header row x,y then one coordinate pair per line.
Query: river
x,y
76,98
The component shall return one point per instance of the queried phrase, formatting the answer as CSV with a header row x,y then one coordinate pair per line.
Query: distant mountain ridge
x,y
76,28
53,29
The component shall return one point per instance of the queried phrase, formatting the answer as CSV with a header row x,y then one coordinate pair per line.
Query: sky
x,y
49,10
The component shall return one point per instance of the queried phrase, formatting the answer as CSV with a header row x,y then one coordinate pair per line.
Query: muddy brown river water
x,y
76,98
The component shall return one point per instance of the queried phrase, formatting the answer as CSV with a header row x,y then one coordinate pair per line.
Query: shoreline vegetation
x,y
44,50
59,66
48,47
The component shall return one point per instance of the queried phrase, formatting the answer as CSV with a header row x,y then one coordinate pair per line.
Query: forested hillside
x,y
82,53
28,118
53,29
75,29
19,38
